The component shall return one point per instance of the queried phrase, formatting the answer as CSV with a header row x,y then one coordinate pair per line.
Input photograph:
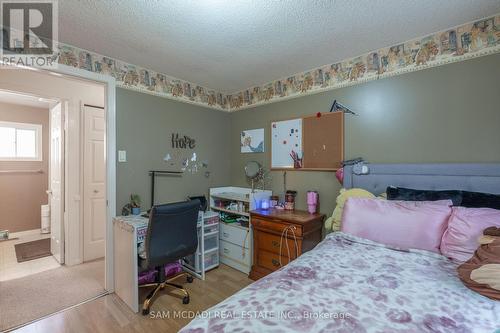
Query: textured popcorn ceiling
x,y
230,45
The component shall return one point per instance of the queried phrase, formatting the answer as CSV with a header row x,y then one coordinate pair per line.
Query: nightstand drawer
x,y
270,260
272,229
271,243
275,226
235,235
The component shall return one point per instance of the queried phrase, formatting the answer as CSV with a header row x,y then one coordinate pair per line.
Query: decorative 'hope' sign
x,y
184,142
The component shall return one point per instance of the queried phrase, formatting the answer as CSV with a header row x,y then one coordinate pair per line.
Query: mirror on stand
x,y
254,173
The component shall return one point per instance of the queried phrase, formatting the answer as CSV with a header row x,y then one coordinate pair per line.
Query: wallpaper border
x,y
470,40
141,79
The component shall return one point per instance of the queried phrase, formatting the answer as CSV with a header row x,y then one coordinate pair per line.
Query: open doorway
x,y
70,216
24,170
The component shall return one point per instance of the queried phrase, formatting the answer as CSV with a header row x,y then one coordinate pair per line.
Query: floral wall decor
x,y
457,44
141,79
464,42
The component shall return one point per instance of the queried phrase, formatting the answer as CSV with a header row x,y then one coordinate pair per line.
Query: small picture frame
x,y
252,141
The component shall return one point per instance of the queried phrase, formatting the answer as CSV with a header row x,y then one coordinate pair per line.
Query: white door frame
x,y
110,138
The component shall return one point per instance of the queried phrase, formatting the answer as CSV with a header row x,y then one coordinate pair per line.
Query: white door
x,y
94,183
55,190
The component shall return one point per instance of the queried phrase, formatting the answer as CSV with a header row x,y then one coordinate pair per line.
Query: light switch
x,y
122,156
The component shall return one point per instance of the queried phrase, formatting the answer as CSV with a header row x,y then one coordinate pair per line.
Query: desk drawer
x,y
275,226
271,243
234,252
235,235
271,261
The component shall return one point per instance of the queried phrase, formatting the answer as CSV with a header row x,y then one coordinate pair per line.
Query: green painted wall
x,y
145,124
445,114
449,113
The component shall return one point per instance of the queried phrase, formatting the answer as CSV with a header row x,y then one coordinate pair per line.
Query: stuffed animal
x,y
492,231
481,273
127,210
333,223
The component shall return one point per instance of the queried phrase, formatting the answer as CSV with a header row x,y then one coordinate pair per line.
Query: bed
x,y
350,284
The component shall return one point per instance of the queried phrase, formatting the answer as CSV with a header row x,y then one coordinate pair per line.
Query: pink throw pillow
x,y
465,226
403,224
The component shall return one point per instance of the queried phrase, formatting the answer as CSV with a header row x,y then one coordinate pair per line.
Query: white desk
x,y
129,232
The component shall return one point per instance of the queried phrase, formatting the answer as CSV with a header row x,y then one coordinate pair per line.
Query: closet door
x,y
94,187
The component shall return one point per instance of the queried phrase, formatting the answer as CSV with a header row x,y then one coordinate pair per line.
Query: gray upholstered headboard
x,y
469,177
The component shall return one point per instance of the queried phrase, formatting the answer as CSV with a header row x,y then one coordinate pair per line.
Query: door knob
x,y
48,191
96,191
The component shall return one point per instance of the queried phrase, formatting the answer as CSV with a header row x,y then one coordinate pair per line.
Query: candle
x,y
265,204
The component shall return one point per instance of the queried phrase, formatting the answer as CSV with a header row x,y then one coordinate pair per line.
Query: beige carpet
x,y
25,299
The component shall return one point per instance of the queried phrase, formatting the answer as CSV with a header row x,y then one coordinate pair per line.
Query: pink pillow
x,y
465,226
403,224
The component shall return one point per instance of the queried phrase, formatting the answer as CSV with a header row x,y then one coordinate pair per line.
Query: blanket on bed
x,y
350,284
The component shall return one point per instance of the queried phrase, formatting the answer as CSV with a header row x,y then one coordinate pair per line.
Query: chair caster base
x,y
185,300
145,312
189,279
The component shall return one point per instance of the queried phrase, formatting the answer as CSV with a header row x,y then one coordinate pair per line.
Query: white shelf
x,y
237,225
232,196
219,209
237,235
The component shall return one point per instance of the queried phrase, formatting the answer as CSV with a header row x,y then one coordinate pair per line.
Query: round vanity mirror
x,y
254,172
253,169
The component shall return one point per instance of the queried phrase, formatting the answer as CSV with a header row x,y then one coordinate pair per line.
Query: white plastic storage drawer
x,y
211,242
194,262
211,260
234,252
235,235
211,228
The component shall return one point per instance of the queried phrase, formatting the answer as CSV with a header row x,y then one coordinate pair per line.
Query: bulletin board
x,y
318,139
286,137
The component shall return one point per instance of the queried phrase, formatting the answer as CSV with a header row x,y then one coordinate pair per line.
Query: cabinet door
x,y
235,235
234,252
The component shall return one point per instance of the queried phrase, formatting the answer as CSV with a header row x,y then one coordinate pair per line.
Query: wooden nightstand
x,y
273,229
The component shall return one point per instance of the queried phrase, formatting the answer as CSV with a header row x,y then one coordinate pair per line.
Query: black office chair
x,y
172,235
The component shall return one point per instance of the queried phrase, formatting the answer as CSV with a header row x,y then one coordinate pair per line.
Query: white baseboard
x,y
20,234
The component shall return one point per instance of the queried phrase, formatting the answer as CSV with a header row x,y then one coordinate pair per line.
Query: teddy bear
x,y
481,273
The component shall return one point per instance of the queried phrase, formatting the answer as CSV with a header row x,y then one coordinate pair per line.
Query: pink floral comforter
x,y
349,284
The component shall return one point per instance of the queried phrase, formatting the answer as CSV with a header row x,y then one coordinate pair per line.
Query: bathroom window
x,y
20,141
